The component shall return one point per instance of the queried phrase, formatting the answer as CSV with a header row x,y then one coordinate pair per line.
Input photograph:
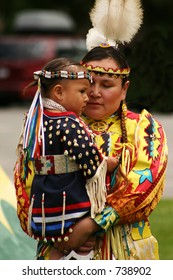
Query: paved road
x,y
10,128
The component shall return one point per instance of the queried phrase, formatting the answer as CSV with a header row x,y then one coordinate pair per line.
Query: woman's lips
x,y
94,104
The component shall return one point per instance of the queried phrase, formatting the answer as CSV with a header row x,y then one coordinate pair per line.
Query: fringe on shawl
x,y
114,245
96,189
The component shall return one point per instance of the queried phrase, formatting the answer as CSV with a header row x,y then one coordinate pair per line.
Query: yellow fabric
x,y
140,230
30,178
121,245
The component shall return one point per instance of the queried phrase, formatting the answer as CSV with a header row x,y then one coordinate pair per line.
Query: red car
x,y
21,55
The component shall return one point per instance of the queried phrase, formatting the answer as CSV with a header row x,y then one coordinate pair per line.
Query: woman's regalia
x,y
136,186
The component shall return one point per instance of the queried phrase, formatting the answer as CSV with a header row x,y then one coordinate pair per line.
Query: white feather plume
x,y
116,20
94,39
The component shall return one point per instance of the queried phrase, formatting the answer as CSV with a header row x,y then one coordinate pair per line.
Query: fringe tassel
x,y
63,212
119,248
127,155
30,215
125,161
43,217
96,189
114,245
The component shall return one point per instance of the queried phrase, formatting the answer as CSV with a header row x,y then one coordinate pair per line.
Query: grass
x,y
162,228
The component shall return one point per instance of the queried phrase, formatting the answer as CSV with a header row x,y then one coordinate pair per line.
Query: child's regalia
x,y
60,175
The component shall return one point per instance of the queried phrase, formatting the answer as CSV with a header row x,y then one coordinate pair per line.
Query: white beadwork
x,y
50,104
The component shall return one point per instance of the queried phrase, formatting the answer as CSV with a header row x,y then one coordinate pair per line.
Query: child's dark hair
x,y
57,64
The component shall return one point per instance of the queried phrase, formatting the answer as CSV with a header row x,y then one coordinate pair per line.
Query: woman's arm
x,y
145,173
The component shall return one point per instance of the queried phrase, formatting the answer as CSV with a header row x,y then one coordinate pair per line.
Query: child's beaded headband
x,y
62,74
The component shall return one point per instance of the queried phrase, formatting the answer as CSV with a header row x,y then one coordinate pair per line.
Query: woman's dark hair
x,y
99,53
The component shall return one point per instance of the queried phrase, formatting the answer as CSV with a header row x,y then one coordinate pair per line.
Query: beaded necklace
x,y
50,104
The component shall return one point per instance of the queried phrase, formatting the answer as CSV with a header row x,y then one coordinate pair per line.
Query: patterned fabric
x,y
57,164
22,185
144,161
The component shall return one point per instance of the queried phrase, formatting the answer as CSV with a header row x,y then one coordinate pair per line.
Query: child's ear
x,y
58,92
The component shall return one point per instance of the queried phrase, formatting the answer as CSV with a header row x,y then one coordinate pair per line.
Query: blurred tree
x,y
151,59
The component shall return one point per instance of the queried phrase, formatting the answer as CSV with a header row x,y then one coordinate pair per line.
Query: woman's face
x,y
106,93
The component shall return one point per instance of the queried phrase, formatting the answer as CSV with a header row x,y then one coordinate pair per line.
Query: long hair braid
x,y
119,173
123,115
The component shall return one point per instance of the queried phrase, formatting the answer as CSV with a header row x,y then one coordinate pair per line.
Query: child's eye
x,y
83,91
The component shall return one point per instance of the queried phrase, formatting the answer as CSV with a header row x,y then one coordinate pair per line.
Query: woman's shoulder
x,y
139,116
145,123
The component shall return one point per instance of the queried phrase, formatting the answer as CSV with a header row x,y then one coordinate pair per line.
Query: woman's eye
x,y
107,85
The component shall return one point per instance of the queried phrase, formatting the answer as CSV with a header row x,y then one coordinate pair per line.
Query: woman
x,y
139,141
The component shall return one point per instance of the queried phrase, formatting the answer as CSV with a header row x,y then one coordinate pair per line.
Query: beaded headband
x,y
62,74
124,72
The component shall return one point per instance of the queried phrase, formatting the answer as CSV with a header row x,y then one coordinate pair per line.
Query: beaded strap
x,y
62,74
54,164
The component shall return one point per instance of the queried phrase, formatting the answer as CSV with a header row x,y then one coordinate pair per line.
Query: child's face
x,y
75,95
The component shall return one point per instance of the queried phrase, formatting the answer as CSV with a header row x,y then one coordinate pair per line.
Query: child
x,y
69,171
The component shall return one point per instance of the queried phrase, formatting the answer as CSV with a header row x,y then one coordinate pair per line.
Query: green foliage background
x,y
150,53
162,228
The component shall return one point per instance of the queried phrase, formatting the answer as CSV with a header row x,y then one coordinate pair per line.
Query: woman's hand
x,y
112,163
87,247
79,240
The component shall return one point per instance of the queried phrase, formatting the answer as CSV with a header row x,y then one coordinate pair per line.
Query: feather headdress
x,y
114,22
